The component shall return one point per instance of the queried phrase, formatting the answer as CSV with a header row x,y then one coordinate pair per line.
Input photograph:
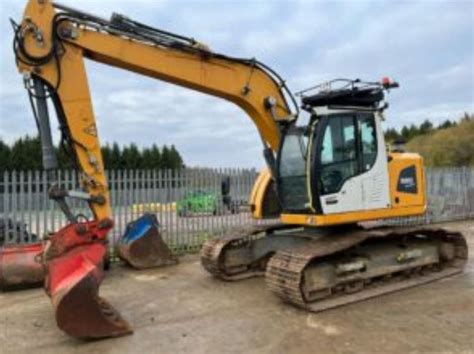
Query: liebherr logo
x,y
407,181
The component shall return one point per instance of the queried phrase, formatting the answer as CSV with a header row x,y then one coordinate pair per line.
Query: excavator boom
x,y
51,44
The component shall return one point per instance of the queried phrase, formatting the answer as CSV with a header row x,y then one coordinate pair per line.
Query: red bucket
x,y
20,266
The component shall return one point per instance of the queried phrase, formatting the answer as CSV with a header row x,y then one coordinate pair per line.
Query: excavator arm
x,y
52,42
50,45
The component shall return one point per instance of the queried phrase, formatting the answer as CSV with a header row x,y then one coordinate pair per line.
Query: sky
x,y
427,46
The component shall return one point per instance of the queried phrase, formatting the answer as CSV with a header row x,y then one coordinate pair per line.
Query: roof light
x,y
388,83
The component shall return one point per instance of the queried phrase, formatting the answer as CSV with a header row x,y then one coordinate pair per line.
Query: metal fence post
x,y
24,200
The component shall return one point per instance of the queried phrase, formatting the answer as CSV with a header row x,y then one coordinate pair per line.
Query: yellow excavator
x,y
322,180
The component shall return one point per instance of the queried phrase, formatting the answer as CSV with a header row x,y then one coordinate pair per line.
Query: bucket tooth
x,y
73,284
142,247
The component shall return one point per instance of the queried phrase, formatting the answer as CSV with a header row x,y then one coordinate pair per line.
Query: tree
x,y
467,117
405,133
165,158
26,154
425,127
446,124
35,153
107,156
4,156
391,134
413,131
131,158
156,158
115,157
147,160
64,160
176,160
18,158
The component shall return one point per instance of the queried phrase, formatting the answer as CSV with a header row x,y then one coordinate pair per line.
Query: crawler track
x,y
326,269
288,272
213,252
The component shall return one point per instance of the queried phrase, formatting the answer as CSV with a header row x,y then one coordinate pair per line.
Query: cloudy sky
x,y
428,46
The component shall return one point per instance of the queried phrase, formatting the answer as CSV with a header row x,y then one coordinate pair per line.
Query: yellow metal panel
x,y
77,106
350,217
40,14
398,162
74,95
258,193
213,76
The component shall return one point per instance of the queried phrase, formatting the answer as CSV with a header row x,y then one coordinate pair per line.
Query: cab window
x,y
292,186
338,153
368,142
348,148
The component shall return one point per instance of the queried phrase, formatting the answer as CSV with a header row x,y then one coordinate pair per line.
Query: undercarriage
x,y
318,269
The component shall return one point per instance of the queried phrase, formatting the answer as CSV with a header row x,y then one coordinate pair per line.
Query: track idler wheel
x,y
74,259
142,247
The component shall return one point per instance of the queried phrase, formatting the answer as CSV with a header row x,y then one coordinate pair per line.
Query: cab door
x,y
350,170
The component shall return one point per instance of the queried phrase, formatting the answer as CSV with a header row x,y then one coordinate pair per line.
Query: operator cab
x,y
338,162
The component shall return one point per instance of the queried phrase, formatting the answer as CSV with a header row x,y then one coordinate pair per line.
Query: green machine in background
x,y
205,201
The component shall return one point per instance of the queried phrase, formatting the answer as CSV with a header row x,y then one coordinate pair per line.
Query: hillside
x,y
453,146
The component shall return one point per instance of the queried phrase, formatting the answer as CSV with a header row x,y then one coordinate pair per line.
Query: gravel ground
x,y
182,309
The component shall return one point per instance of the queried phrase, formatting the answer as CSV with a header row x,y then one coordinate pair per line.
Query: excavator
x,y
323,179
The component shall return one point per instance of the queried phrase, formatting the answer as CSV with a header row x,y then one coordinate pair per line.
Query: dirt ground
x,y
182,309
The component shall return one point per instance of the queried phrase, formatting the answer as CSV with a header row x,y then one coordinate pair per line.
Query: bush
x,y
452,146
